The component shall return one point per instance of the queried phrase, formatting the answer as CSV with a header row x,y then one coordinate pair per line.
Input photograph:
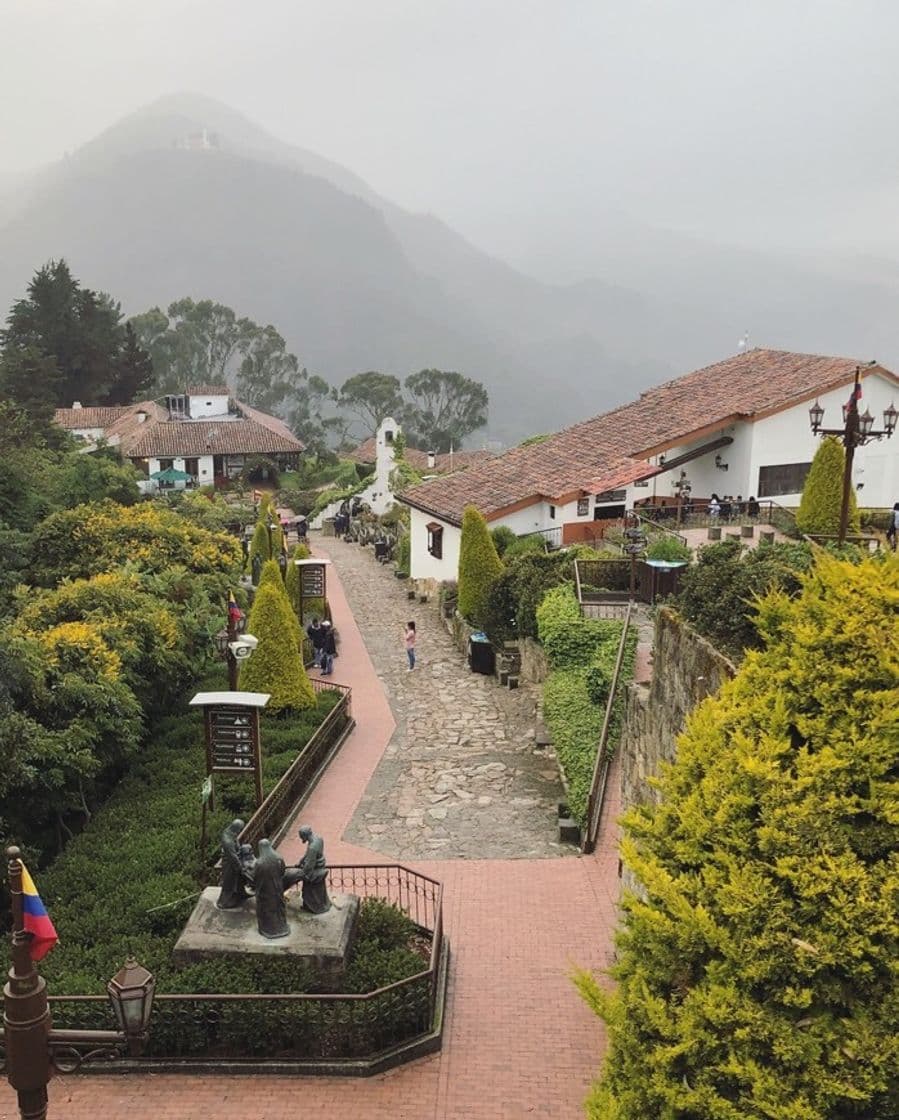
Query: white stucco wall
x,y
787,438
204,468
201,406
422,564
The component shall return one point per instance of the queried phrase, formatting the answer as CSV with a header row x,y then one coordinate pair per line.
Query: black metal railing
x,y
552,538
603,761
602,580
196,1028
276,811
695,515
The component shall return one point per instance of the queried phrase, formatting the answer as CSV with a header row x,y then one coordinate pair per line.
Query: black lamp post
x,y
857,430
634,545
31,1044
271,537
684,488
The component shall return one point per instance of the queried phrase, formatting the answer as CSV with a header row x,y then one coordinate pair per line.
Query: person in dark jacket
x,y
316,634
329,648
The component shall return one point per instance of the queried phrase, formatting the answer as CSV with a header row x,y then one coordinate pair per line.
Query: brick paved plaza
x,y
440,773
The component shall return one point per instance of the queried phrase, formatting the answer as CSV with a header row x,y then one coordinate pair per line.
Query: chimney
x,y
432,460
76,404
141,416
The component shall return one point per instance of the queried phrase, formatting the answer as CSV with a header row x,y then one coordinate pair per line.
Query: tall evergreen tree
x,y
82,332
822,494
479,566
275,665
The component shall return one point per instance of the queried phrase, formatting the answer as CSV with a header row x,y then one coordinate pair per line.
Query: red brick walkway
x,y
518,1042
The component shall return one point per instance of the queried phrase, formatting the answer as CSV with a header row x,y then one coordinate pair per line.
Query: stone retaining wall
x,y
686,669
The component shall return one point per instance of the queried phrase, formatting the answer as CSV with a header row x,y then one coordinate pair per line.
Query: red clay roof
x,y
612,448
366,453
254,433
100,416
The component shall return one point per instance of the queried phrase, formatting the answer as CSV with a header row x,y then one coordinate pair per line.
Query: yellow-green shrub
x,y
275,665
757,978
822,495
479,566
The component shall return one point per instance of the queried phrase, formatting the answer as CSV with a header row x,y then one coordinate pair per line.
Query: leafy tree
x,y
718,594
822,495
444,408
310,395
503,537
479,566
372,396
134,375
756,976
33,385
97,361
87,478
268,373
275,665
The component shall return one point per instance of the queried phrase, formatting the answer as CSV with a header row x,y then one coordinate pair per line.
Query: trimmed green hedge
x,y
582,656
479,566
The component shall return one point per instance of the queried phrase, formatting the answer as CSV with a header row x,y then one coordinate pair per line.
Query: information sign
x,y
312,577
231,720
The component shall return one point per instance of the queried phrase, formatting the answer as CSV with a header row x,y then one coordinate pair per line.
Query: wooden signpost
x,y
232,735
313,581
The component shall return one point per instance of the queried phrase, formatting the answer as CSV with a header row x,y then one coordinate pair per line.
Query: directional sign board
x,y
232,733
313,581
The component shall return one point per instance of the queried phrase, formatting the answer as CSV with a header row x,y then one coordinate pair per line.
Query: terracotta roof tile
x,y
366,453
611,448
91,417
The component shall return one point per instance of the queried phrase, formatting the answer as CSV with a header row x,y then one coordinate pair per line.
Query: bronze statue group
x,y
266,875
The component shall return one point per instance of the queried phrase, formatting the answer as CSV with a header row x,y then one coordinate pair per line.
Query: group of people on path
x,y
324,645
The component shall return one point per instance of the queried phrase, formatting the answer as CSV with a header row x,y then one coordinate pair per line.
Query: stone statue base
x,y
320,941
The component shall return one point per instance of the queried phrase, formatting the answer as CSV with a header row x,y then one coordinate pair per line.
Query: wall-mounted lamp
x,y
720,464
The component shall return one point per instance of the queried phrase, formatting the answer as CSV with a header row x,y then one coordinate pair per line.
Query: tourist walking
x,y
409,638
329,648
316,635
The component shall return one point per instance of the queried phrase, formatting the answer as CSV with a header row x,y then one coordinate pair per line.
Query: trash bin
x,y
381,550
481,658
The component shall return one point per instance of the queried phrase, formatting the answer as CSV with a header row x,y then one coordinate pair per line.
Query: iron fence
x,y
603,757
199,1028
695,515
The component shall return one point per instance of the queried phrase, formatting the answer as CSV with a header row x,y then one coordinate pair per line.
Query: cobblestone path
x,y
461,777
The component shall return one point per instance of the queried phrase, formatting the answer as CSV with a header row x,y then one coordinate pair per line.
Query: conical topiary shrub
x,y
275,665
757,976
292,575
271,577
260,544
822,495
479,566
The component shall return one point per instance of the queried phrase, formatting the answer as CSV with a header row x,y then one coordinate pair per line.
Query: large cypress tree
x,y
275,665
479,566
758,978
822,495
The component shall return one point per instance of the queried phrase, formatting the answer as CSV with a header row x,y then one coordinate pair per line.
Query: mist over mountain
x,y
355,282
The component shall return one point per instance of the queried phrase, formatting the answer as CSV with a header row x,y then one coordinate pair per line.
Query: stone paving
x,y
461,777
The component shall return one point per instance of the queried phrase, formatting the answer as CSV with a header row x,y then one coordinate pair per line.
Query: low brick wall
x,y
534,664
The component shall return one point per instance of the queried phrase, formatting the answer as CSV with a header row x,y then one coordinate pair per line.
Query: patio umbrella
x,y
171,475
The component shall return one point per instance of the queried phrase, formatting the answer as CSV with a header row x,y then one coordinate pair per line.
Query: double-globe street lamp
x,y
857,430
33,1047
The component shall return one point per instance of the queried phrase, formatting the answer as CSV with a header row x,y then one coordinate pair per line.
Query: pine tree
x,y
479,566
260,545
275,666
822,495
757,978
270,576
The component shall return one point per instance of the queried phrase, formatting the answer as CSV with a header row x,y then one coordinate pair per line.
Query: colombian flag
x,y
36,919
234,611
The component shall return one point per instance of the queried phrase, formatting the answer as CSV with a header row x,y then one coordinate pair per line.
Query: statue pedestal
x,y
321,941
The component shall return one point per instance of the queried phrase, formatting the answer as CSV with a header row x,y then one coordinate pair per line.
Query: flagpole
x,y
26,1012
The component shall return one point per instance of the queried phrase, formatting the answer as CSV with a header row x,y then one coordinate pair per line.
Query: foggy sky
x,y
771,122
